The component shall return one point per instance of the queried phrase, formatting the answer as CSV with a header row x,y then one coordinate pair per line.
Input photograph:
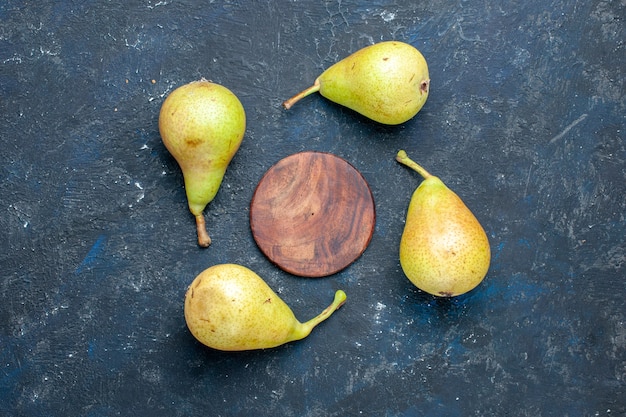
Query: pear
x,y
229,307
386,82
202,125
444,249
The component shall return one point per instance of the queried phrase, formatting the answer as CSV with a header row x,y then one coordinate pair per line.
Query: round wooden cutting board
x,y
312,214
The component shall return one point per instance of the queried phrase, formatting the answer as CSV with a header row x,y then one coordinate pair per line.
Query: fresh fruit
x,y
387,82
202,125
229,307
444,249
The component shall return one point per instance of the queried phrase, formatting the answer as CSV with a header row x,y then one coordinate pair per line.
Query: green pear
x,y
444,249
202,125
229,307
386,82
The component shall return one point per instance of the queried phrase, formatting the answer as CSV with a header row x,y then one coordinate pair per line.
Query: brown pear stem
x,y
203,236
312,89
404,159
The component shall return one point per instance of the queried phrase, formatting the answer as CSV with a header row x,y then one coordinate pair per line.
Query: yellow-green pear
x,y
387,82
229,307
202,125
444,249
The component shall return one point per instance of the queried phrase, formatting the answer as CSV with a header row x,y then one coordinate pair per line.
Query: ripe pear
x,y
202,125
387,82
229,307
444,249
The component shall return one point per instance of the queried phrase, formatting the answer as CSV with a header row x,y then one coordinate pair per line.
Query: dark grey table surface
x,y
525,121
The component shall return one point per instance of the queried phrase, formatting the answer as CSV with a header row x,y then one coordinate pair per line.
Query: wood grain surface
x,y
312,214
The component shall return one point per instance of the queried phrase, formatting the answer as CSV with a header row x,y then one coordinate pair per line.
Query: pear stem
x,y
312,89
404,159
340,298
203,236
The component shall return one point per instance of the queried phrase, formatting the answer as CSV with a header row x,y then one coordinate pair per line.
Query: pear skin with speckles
x,y
444,250
202,125
387,82
229,307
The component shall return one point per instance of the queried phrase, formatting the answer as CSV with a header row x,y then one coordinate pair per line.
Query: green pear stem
x,y
203,236
340,298
312,89
404,159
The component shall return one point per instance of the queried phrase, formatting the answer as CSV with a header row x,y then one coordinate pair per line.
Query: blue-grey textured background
x,y
525,121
